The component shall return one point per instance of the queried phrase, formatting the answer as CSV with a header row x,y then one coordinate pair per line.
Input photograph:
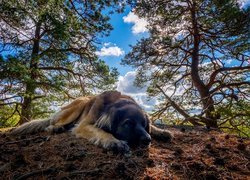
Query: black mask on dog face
x,y
130,124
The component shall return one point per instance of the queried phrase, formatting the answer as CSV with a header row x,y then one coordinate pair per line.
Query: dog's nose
x,y
145,140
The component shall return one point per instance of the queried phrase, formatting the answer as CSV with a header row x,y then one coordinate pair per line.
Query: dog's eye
x,y
128,124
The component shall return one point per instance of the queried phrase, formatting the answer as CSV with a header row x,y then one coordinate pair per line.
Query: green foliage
x,y
50,47
235,117
7,118
195,58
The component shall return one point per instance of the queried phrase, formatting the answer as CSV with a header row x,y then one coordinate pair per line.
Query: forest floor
x,y
193,154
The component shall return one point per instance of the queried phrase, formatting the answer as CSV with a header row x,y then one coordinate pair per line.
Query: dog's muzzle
x,y
145,140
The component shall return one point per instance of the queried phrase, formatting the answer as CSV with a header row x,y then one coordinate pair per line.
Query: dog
x,y
111,120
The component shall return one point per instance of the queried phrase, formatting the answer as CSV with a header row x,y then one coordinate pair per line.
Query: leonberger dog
x,y
111,120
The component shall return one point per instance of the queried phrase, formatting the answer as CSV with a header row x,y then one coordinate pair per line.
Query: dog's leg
x,y
160,134
101,138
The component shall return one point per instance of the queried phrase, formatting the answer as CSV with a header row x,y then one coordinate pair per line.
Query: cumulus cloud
x,y
110,51
244,3
140,24
126,85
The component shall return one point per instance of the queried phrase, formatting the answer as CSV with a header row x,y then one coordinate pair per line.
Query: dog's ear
x,y
106,120
109,97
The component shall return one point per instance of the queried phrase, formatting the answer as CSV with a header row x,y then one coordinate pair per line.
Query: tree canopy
x,y
197,58
48,52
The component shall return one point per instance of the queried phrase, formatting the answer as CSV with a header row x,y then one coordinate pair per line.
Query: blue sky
x,y
128,29
121,37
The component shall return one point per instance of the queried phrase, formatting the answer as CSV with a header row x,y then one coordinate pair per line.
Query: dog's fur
x,y
110,120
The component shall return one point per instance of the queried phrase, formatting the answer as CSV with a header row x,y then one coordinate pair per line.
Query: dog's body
x,y
110,120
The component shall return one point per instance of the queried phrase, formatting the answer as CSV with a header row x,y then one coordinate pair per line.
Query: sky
x,y
128,29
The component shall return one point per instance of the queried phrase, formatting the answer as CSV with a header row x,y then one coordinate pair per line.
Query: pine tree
x,y
196,55
48,51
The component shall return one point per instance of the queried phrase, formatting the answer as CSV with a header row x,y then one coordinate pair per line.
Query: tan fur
x,y
31,127
70,112
86,111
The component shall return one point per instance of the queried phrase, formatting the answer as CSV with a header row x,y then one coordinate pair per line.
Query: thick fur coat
x,y
110,120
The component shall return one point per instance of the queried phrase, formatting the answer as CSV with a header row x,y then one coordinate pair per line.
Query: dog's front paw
x,y
167,136
119,147
164,136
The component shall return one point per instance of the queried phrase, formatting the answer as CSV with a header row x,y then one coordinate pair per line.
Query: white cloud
x,y
110,51
244,3
140,24
126,86
107,44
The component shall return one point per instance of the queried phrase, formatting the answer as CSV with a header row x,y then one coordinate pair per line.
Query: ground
x,y
193,154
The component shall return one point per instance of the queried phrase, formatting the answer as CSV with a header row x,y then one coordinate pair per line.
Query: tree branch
x,y
215,73
179,109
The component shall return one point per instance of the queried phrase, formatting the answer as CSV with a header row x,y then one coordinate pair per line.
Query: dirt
x,y
193,154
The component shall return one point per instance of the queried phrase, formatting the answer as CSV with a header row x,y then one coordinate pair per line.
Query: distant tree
x,y
196,57
48,51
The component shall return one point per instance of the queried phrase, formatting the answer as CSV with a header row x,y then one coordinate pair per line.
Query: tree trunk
x,y
207,101
26,112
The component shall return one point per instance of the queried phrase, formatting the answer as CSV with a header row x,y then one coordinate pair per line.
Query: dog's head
x,y
126,121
